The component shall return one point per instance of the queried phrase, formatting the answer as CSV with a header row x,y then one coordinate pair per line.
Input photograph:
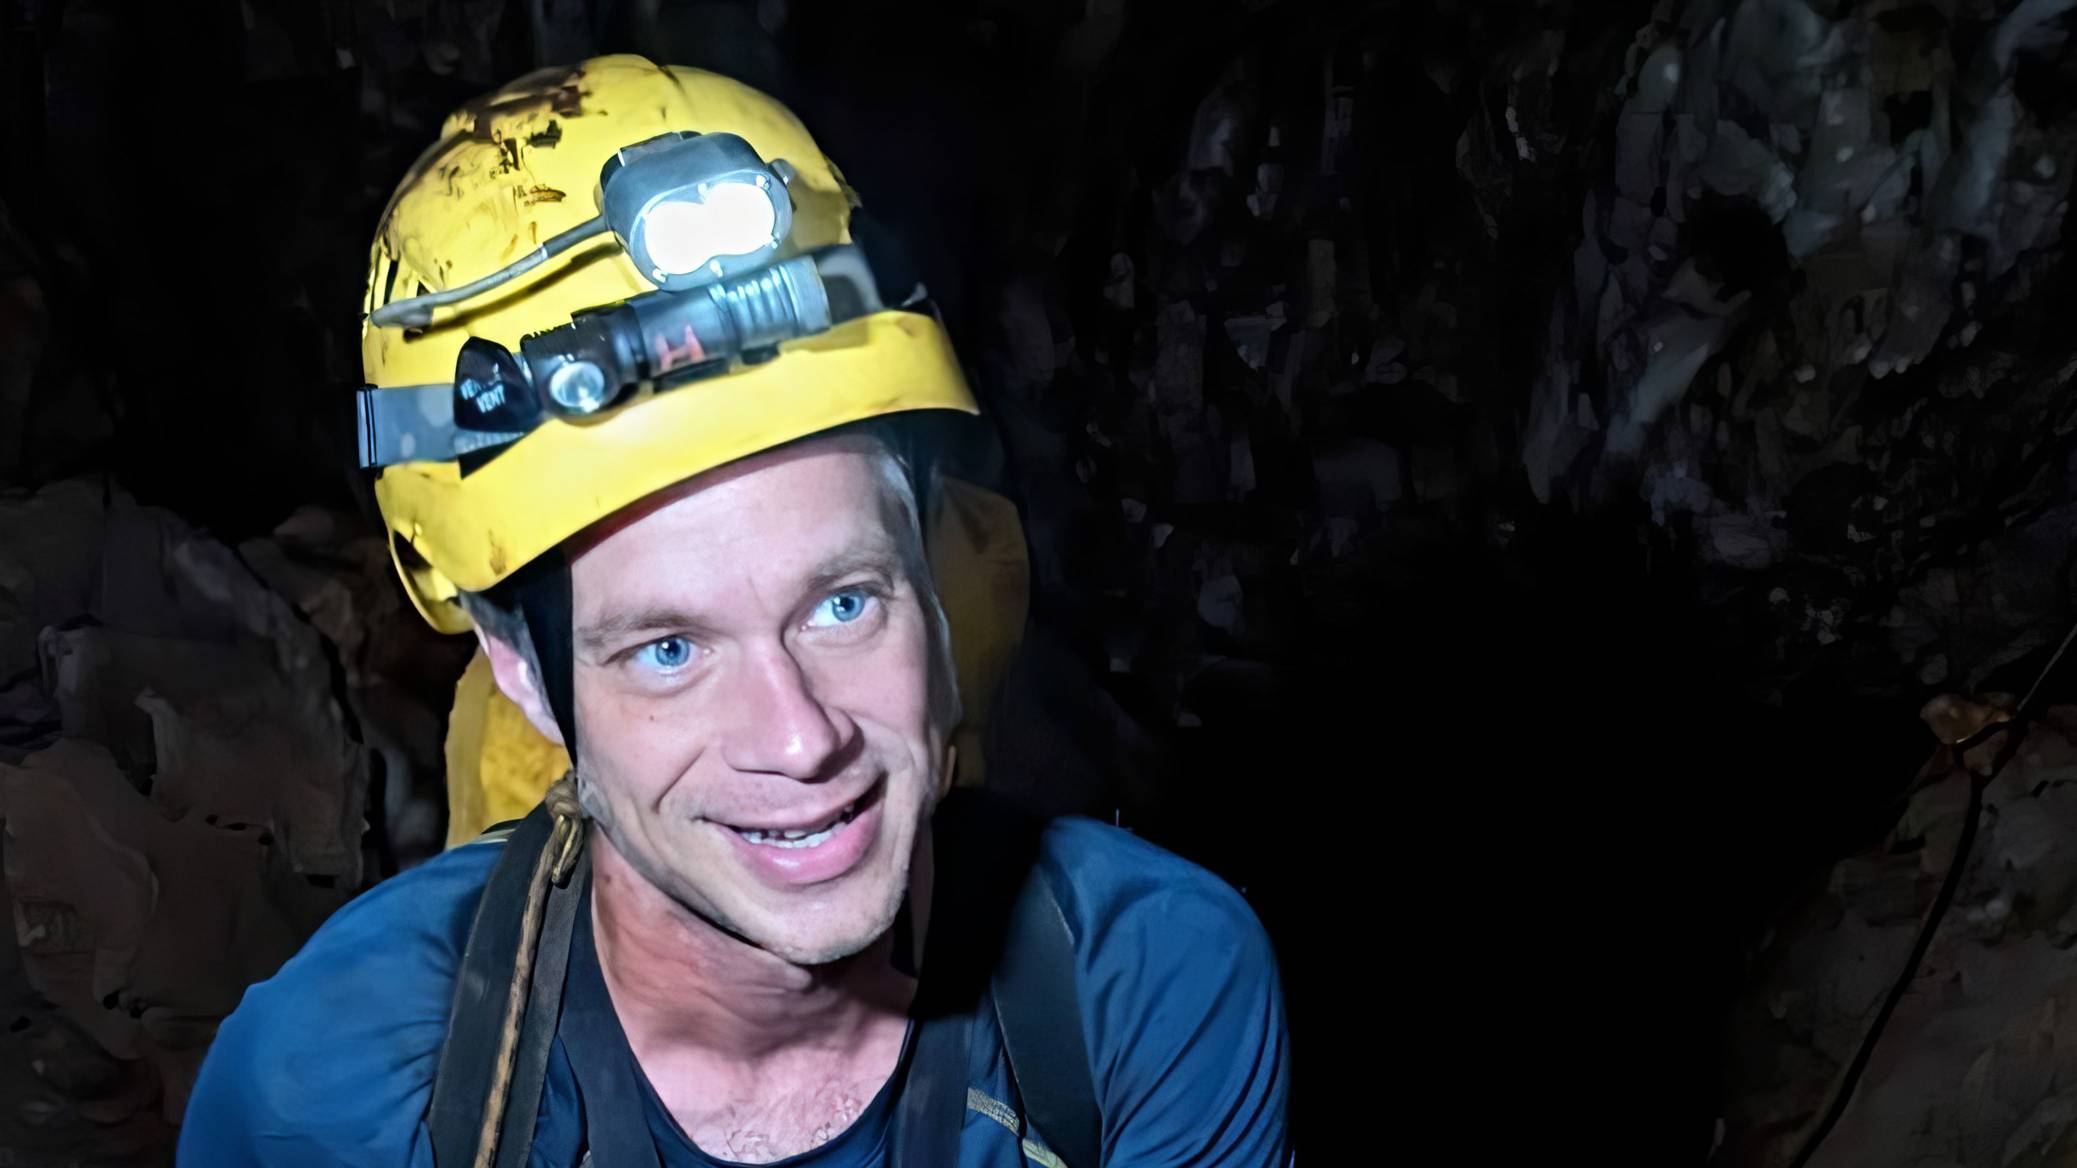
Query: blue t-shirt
x,y
331,1061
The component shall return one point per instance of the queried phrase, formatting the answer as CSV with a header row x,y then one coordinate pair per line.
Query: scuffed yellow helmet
x,y
522,168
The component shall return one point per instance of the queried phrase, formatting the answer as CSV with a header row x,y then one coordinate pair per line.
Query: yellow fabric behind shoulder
x,y
498,765
983,575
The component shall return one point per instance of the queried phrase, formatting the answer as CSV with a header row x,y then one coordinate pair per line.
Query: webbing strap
x,y
543,1015
461,1086
1041,1020
616,1120
933,1100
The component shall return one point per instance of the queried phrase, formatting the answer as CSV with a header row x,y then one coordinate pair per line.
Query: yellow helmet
x,y
521,184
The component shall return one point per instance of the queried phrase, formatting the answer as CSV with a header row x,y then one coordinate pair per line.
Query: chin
x,y
849,931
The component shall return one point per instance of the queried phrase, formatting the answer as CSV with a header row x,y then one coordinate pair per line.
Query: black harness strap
x,y
1006,940
616,1119
1041,1020
461,1086
933,1100
543,1015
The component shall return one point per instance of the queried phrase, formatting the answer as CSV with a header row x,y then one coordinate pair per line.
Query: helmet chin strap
x,y
545,599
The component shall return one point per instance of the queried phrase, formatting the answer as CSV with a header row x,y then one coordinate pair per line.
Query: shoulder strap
x,y
543,1015
1041,1021
468,1055
933,1102
616,1119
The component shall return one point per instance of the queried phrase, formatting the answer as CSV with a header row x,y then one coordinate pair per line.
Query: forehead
x,y
762,520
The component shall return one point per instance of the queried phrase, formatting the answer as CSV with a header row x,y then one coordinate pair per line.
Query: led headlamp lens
x,y
733,219
691,209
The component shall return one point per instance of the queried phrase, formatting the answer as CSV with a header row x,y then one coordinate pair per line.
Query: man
x,y
685,535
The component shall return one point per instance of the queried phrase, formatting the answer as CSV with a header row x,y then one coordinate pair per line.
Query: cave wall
x,y
1419,404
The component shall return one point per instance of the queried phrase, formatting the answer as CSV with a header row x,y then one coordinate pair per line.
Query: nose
x,y
779,724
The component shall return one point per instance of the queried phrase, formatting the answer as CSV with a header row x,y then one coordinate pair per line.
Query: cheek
x,y
888,684
637,745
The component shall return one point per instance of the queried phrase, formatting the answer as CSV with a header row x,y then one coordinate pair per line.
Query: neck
x,y
684,988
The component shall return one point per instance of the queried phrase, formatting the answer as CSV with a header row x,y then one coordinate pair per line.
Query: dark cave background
x,y
1502,482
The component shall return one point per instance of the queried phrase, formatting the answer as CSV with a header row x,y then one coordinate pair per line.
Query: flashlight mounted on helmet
x,y
694,208
701,216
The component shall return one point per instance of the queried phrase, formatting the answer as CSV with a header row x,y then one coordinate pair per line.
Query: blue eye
x,y
841,608
666,653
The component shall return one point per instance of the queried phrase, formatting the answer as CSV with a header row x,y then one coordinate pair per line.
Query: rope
x,y
2014,730
551,867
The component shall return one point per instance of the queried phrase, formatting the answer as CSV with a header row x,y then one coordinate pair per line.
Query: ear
x,y
515,678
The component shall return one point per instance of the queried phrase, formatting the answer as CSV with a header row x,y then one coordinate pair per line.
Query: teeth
x,y
800,838
789,839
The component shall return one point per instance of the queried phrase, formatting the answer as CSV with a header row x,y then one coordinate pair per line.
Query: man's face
x,y
752,683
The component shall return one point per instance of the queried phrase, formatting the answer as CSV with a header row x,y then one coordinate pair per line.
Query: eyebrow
x,y
879,559
605,633
610,632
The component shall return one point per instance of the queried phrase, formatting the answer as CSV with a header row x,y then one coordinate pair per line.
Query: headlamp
x,y
654,342
688,208
691,209
702,217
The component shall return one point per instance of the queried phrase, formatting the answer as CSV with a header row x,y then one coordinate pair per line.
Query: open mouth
x,y
812,836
